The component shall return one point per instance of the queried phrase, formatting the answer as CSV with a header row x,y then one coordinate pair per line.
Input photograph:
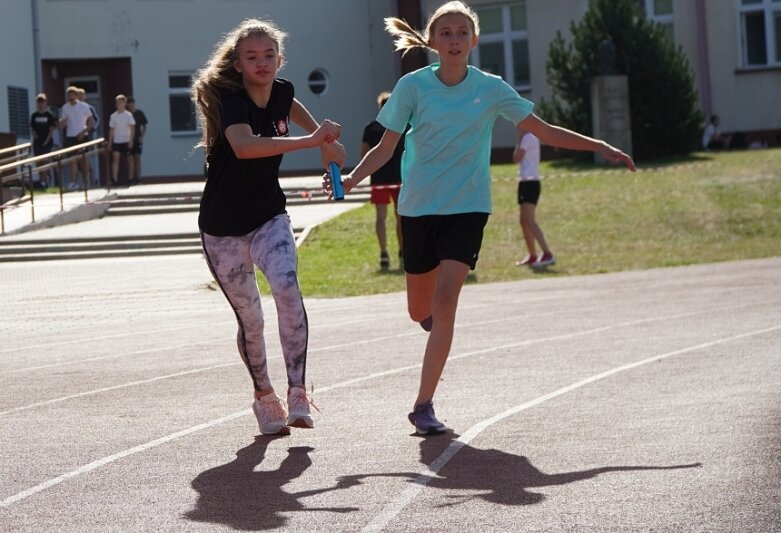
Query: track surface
x,y
638,401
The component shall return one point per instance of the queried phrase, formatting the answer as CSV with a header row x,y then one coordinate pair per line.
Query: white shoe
x,y
271,415
298,402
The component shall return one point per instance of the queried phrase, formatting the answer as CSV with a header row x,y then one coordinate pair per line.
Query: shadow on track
x,y
235,495
500,477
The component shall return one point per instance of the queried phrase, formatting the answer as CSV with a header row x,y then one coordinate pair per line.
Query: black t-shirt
x,y
141,120
390,172
40,123
243,194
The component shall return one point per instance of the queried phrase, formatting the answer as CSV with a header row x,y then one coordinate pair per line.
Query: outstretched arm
x,y
564,138
373,160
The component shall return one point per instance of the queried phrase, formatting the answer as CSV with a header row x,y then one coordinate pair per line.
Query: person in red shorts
x,y
385,184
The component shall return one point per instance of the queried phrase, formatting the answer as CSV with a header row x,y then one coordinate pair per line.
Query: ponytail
x,y
405,36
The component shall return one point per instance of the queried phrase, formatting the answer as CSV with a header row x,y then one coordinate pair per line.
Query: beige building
x,y
339,58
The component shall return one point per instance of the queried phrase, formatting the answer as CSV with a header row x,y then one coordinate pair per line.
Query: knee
x,y
418,313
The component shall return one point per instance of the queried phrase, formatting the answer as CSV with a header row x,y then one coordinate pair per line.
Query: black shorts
x,y
40,149
72,141
122,148
430,239
137,146
529,192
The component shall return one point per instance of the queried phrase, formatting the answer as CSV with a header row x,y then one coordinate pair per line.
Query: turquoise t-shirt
x,y
445,168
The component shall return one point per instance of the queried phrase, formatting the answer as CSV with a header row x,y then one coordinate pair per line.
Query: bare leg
x,y
114,167
131,168
381,212
448,279
137,166
532,230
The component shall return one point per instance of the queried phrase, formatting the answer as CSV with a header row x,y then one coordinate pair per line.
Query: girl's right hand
x,y
327,132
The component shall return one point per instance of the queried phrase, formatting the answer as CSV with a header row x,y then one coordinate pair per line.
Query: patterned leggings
x,y
272,248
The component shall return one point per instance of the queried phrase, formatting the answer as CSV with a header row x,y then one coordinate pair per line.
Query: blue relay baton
x,y
336,181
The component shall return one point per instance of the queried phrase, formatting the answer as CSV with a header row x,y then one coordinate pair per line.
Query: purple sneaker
x,y
424,419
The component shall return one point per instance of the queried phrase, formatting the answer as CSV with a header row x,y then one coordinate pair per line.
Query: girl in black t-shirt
x,y
245,112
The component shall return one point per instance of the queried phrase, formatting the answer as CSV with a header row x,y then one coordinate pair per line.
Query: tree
x,y
666,120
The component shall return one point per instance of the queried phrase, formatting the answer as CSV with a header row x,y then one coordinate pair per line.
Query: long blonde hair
x,y
219,75
407,37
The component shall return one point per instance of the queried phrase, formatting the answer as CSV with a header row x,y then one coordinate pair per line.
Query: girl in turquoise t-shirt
x,y
445,201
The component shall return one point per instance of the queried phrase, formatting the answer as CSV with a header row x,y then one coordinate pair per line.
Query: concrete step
x,y
96,247
159,209
92,254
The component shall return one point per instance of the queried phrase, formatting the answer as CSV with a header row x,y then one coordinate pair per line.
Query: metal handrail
x,y
24,169
18,147
24,150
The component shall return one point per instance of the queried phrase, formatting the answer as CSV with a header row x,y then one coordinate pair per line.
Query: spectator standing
x,y
134,159
385,184
77,121
43,124
120,136
82,95
527,153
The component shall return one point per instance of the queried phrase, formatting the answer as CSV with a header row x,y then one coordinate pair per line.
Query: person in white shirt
x,y
77,121
120,135
527,153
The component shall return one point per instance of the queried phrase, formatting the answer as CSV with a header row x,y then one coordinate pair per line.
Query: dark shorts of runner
x,y
72,141
529,192
383,194
430,239
122,148
137,147
41,149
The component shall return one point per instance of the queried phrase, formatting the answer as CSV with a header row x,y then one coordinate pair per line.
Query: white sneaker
x,y
271,415
298,402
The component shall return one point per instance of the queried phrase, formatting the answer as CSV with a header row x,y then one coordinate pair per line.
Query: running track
x,y
639,401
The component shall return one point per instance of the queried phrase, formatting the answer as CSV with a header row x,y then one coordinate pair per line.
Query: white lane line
x,y
390,337
101,462
393,508
274,333
115,387
111,458
113,356
106,337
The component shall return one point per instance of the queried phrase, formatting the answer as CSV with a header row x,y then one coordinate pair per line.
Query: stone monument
x,y
610,115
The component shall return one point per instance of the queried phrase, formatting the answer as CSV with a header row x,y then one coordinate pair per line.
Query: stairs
x,y
136,203
87,248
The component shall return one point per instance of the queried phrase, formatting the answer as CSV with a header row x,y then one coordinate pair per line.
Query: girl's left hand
x,y
614,155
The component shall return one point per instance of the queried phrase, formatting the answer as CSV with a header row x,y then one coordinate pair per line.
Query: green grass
x,y
701,209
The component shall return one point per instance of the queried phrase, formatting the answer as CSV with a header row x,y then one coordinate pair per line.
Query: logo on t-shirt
x,y
281,127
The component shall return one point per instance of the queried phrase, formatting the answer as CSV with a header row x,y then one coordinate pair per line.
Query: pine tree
x,y
666,120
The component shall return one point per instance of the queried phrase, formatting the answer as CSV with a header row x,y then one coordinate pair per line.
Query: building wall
x,y
159,37
17,61
139,42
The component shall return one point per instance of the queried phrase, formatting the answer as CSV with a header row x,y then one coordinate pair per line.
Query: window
x,y
504,44
18,111
660,11
318,81
181,107
760,28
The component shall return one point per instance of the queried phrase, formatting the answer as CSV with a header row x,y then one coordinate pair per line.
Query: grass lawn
x,y
705,208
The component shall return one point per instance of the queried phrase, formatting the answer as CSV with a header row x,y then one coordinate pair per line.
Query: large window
x,y
760,28
660,11
504,43
18,111
182,109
